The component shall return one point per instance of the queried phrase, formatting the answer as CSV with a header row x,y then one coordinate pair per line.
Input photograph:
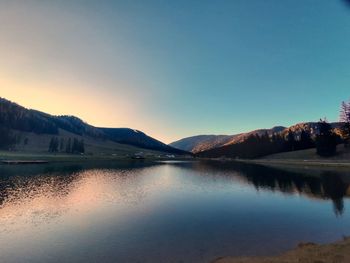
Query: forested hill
x,y
14,117
322,135
200,143
203,143
137,138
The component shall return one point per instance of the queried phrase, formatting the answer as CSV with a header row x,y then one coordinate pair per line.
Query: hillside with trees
x,y
200,143
19,127
322,135
257,146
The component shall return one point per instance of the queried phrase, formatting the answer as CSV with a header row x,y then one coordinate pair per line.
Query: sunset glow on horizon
x,y
177,69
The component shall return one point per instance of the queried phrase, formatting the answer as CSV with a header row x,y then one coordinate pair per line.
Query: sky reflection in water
x,y
165,212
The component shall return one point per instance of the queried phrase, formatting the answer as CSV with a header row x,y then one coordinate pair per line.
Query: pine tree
x,y
69,146
291,141
75,146
305,141
62,145
326,140
7,139
78,146
53,146
82,146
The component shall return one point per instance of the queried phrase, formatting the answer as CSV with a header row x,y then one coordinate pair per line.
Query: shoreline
x,y
288,163
295,162
19,158
336,252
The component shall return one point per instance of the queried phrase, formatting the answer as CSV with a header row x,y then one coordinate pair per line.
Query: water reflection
x,y
18,184
41,194
319,184
164,212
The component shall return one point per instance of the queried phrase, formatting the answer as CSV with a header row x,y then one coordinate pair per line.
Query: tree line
x,y
7,138
70,145
13,116
325,140
256,145
16,117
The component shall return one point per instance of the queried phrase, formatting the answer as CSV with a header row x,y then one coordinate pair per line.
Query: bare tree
x,y
345,119
345,112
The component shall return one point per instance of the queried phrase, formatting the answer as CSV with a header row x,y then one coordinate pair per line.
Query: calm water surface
x,y
165,212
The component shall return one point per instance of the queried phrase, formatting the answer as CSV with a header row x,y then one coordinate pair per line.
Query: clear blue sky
x,y
178,68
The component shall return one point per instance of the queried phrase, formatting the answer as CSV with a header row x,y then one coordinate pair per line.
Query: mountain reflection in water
x,y
164,211
334,185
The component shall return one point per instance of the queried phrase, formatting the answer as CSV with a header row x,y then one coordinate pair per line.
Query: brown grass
x,y
338,252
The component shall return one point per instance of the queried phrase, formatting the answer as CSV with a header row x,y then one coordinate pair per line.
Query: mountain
x,y
40,126
138,139
16,117
311,127
276,141
202,143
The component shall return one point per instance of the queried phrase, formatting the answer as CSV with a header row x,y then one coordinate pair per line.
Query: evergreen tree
x,y
82,146
69,146
75,146
6,138
326,140
291,143
53,145
78,146
305,141
61,145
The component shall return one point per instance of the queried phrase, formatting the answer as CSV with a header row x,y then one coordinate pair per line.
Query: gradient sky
x,y
178,68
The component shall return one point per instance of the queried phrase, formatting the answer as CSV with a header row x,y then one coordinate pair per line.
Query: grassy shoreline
x,y
62,157
337,252
312,163
304,158
273,162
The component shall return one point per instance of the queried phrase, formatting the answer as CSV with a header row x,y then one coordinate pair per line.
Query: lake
x,y
165,211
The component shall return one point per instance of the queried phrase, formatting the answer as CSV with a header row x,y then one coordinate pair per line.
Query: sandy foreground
x,y
338,252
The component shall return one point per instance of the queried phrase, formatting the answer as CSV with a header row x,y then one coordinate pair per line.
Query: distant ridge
x,y
201,143
138,138
20,119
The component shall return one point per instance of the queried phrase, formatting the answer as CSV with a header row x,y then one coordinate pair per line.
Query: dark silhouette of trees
x,y
78,146
345,119
81,146
255,146
326,139
7,139
16,117
327,185
305,141
291,142
69,146
75,147
53,146
61,145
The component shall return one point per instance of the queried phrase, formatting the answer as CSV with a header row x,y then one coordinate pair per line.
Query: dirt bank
x,y
338,252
